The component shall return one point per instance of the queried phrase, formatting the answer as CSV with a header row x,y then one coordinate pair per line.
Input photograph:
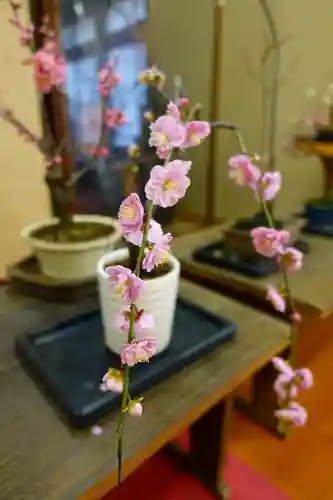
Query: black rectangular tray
x,y
257,266
69,360
215,255
319,230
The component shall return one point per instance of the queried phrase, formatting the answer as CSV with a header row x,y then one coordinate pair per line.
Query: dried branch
x,y
275,91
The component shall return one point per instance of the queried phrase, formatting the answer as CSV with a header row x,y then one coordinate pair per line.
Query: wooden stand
x,y
207,450
324,151
26,277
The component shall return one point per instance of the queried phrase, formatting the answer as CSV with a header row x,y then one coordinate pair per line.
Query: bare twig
x,y
274,97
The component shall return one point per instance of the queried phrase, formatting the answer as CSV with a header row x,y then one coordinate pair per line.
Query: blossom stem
x,y
290,300
125,395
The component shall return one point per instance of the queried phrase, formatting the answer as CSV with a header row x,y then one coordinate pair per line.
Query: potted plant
x,y
158,299
319,212
235,250
67,246
318,120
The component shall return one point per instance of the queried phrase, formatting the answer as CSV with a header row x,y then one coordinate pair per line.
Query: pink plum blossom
x,y
166,133
269,185
99,152
135,408
112,381
49,68
268,241
294,413
155,234
114,118
168,184
284,379
283,387
195,133
158,247
130,216
289,381
162,153
107,79
304,378
296,317
276,298
291,258
143,322
243,172
173,110
138,351
26,33
183,101
126,283
56,160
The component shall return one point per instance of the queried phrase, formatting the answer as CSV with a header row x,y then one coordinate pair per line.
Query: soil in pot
x,y
73,232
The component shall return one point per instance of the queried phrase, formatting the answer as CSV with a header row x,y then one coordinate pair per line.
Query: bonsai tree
x,y
49,72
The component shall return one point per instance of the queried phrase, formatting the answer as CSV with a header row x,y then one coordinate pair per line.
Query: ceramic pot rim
x,y
53,246
123,253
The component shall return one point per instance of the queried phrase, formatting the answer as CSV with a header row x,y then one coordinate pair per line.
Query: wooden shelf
x,y
311,147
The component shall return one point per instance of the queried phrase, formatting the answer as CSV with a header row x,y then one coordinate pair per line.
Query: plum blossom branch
x,y
167,184
274,243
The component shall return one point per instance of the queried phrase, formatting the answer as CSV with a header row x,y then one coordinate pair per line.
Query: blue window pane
x,y
128,95
126,13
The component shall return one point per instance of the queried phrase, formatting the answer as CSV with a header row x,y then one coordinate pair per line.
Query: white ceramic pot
x,y
71,261
158,298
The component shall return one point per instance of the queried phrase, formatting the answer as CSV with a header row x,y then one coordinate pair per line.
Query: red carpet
x,y
159,479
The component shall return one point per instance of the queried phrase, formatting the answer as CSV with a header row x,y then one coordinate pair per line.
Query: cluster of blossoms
x,y
287,386
167,184
274,243
48,63
49,68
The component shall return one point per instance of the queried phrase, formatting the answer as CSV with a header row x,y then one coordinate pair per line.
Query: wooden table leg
x,y
328,172
208,447
264,401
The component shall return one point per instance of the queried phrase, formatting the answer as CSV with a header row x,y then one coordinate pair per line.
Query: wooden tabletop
x,y
312,285
41,458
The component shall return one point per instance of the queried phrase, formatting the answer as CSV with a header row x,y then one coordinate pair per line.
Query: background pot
x,y
71,261
158,298
319,214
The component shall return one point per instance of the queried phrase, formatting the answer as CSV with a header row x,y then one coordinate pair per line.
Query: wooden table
x,y
41,458
312,286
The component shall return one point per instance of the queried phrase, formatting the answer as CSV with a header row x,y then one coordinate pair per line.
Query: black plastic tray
x,y
319,230
70,359
256,267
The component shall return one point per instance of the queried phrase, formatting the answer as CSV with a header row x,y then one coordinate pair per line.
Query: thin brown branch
x,y
8,116
275,91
